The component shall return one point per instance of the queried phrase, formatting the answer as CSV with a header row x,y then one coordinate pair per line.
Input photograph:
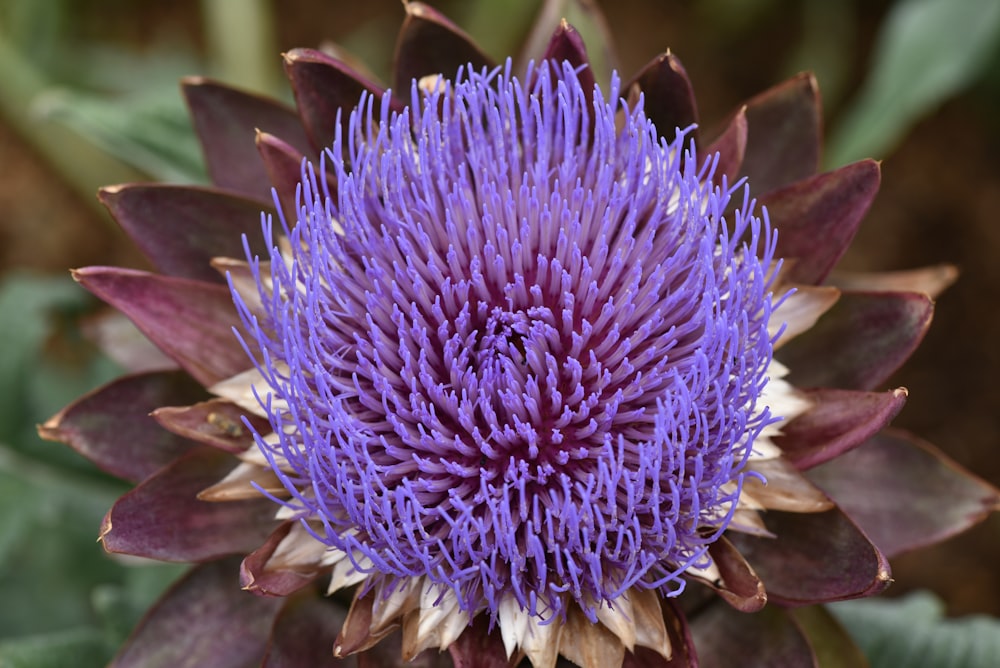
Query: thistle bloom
x,y
510,370
518,365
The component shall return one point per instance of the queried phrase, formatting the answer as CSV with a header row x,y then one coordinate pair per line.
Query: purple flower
x,y
519,355
531,375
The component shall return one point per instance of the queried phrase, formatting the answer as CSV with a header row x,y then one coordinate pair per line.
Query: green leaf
x,y
913,632
927,51
36,28
44,364
80,648
49,558
148,129
34,300
53,574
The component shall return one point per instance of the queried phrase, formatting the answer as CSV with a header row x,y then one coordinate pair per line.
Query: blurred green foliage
x,y
926,52
63,597
913,632
148,129
104,113
124,101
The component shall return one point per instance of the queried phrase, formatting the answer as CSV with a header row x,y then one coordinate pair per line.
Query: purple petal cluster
x,y
519,350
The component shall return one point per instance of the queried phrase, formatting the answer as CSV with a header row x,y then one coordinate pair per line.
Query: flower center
x,y
500,342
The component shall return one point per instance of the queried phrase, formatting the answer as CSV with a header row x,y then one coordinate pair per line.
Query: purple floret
x,y
531,363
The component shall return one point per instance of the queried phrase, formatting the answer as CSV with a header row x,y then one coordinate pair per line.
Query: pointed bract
x,y
740,587
191,321
255,575
216,422
111,426
323,87
586,18
226,120
681,643
859,342
567,45
668,94
904,492
181,228
356,634
162,518
814,558
428,43
785,134
838,421
818,217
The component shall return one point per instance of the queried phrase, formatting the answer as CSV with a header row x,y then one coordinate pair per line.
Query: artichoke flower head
x,y
508,365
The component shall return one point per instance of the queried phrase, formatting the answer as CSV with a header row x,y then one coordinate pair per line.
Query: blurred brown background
x,y
939,201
